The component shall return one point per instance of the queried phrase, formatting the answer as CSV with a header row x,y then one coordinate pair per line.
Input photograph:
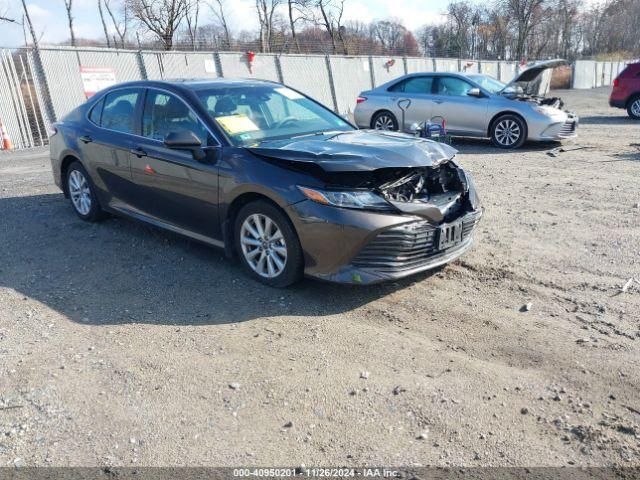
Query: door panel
x,y
463,114
418,90
171,185
175,188
105,143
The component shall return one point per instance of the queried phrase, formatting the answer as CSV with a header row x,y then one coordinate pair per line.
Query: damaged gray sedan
x,y
268,174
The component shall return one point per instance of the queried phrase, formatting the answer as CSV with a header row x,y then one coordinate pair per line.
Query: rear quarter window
x,y
95,114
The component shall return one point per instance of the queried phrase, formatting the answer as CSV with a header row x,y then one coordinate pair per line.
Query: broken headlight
x,y
362,199
544,110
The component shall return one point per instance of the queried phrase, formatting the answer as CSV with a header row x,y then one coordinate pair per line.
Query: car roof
x,y
388,84
199,83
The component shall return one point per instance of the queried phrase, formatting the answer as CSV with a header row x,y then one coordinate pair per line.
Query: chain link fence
x,y
20,109
40,86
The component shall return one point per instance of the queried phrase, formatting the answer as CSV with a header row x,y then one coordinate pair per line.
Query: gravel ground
x,y
125,345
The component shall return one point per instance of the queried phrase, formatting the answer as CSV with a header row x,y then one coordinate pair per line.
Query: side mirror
x,y
475,92
185,140
182,140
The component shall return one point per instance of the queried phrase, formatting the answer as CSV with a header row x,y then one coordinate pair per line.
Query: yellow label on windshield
x,y
235,124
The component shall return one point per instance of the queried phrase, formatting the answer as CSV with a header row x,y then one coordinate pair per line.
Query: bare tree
x,y
266,13
526,15
104,24
3,14
218,8
68,5
296,12
29,23
390,34
191,17
161,17
330,18
461,13
120,20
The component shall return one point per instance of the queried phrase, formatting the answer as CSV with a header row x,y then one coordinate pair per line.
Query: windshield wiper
x,y
315,134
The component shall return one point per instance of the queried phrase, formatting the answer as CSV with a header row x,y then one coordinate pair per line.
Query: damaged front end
x,y
423,207
533,82
444,206
438,194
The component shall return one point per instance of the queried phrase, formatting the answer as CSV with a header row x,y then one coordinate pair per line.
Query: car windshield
x,y
488,83
253,114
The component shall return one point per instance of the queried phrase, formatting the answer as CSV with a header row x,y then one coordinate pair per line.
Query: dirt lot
x,y
121,344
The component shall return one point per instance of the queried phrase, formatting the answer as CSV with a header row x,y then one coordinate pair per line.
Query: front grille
x,y
568,129
407,246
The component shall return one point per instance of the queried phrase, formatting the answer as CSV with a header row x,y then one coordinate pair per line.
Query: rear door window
x,y
414,85
119,110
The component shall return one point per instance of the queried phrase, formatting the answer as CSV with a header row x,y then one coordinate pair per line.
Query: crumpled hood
x,y
357,151
535,78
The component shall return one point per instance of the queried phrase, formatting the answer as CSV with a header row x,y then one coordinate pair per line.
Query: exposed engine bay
x,y
554,102
439,192
415,176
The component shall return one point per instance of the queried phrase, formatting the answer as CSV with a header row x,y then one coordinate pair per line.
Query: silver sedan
x,y
472,105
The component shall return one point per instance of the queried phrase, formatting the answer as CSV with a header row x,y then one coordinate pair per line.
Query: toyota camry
x,y
472,105
270,176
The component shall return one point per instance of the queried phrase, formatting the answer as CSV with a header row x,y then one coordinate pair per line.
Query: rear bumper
x,y
617,103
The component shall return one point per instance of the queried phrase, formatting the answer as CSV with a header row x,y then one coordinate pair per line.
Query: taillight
x,y
616,82
361,99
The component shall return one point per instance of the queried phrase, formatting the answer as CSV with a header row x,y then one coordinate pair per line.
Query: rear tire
x,y
633,108
508,131
384,120
267,245
82,194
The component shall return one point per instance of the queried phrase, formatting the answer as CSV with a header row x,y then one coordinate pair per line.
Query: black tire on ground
x,y
508,131
94,213
294,263
633,107
384,120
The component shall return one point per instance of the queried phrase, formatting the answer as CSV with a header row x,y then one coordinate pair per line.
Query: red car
x,y
626,90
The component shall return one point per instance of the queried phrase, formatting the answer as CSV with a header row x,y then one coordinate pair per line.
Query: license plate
x,y
450,235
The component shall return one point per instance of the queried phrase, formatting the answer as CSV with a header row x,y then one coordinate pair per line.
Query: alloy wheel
x,y
79,192
263,245
507,132
635,108
384,122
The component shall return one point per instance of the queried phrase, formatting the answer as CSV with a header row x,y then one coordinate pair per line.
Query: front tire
x,y
385,121
82,194
633,109
508,131
267,245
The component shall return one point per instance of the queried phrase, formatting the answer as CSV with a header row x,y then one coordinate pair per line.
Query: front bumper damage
x,y
402,251
561,130
365,247
428,219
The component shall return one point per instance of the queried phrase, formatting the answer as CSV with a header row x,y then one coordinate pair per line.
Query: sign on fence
x,y
95,79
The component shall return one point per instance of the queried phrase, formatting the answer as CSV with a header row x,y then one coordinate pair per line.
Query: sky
x,y
49,16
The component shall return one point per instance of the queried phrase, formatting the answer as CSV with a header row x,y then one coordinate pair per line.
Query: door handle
x,y
439,101
138,152
86,139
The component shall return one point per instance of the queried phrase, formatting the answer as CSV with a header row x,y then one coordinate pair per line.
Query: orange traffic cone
x,y
6,141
